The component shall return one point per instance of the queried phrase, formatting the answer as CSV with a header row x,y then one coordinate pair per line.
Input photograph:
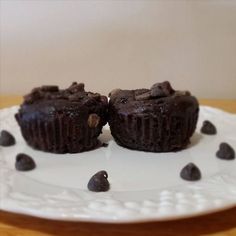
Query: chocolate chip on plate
x,y
6,139
24,162
190,172
208,128
99,182
225,152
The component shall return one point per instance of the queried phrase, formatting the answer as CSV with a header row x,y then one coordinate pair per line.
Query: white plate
x,y
144,186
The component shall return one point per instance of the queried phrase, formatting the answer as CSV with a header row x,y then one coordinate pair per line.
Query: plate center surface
x,y
128,170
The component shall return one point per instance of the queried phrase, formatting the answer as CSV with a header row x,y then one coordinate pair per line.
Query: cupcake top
x,y
75,93
50,99
160,97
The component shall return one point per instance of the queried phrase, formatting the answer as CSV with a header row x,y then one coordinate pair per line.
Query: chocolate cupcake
x,y
62,121
159,119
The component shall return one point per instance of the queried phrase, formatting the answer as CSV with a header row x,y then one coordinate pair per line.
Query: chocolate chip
x,y
158,92
182,93
93,120
225,152
99,182
208,128
113,92
161,90
24,162
50,88
95,96
6,139
75,87
190,172
143,96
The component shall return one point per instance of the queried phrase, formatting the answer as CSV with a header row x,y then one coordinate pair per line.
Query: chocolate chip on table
x,y
24,162
99,182
163,89
208,128
225,152
6,139
93,120
190,172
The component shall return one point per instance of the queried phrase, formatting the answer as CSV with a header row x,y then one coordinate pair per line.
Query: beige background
x,y
126,44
